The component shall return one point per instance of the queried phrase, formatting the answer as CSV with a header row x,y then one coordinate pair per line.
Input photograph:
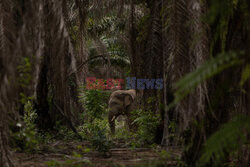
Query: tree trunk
x,y
5,154
8,94
42,105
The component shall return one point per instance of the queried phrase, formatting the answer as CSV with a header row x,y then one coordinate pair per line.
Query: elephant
x,y
121,102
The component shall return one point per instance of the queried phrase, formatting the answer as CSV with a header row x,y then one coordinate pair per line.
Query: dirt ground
x,y
77,154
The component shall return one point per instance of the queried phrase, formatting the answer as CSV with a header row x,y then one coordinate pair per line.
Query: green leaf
x,y
210,68
230,137
245,75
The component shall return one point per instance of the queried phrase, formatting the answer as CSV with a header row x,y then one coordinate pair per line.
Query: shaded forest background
x,y
200,48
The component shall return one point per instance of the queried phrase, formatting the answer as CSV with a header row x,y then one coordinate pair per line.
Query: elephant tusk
x,y
113,118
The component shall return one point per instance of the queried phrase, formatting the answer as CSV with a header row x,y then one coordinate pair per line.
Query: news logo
x,y
131,83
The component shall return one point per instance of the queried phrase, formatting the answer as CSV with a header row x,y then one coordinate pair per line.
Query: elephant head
x,y
121,102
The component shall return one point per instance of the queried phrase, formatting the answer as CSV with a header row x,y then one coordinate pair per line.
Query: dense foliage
x,y
199,48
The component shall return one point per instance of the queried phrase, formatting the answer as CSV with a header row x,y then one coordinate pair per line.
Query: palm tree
x,y
8,75
48,46
201,111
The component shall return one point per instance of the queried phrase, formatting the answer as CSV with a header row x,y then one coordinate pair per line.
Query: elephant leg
x,y
112,123
130,121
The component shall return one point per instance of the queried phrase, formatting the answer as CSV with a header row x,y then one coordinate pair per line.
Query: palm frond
x,y
99,28
116,61
210,68
228,138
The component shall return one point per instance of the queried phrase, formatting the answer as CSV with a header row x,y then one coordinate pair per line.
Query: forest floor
x,y
75,153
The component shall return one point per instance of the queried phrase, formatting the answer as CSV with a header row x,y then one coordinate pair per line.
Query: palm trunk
x,y
8,62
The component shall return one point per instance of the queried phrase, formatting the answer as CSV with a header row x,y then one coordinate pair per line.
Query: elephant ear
x,y
128,99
